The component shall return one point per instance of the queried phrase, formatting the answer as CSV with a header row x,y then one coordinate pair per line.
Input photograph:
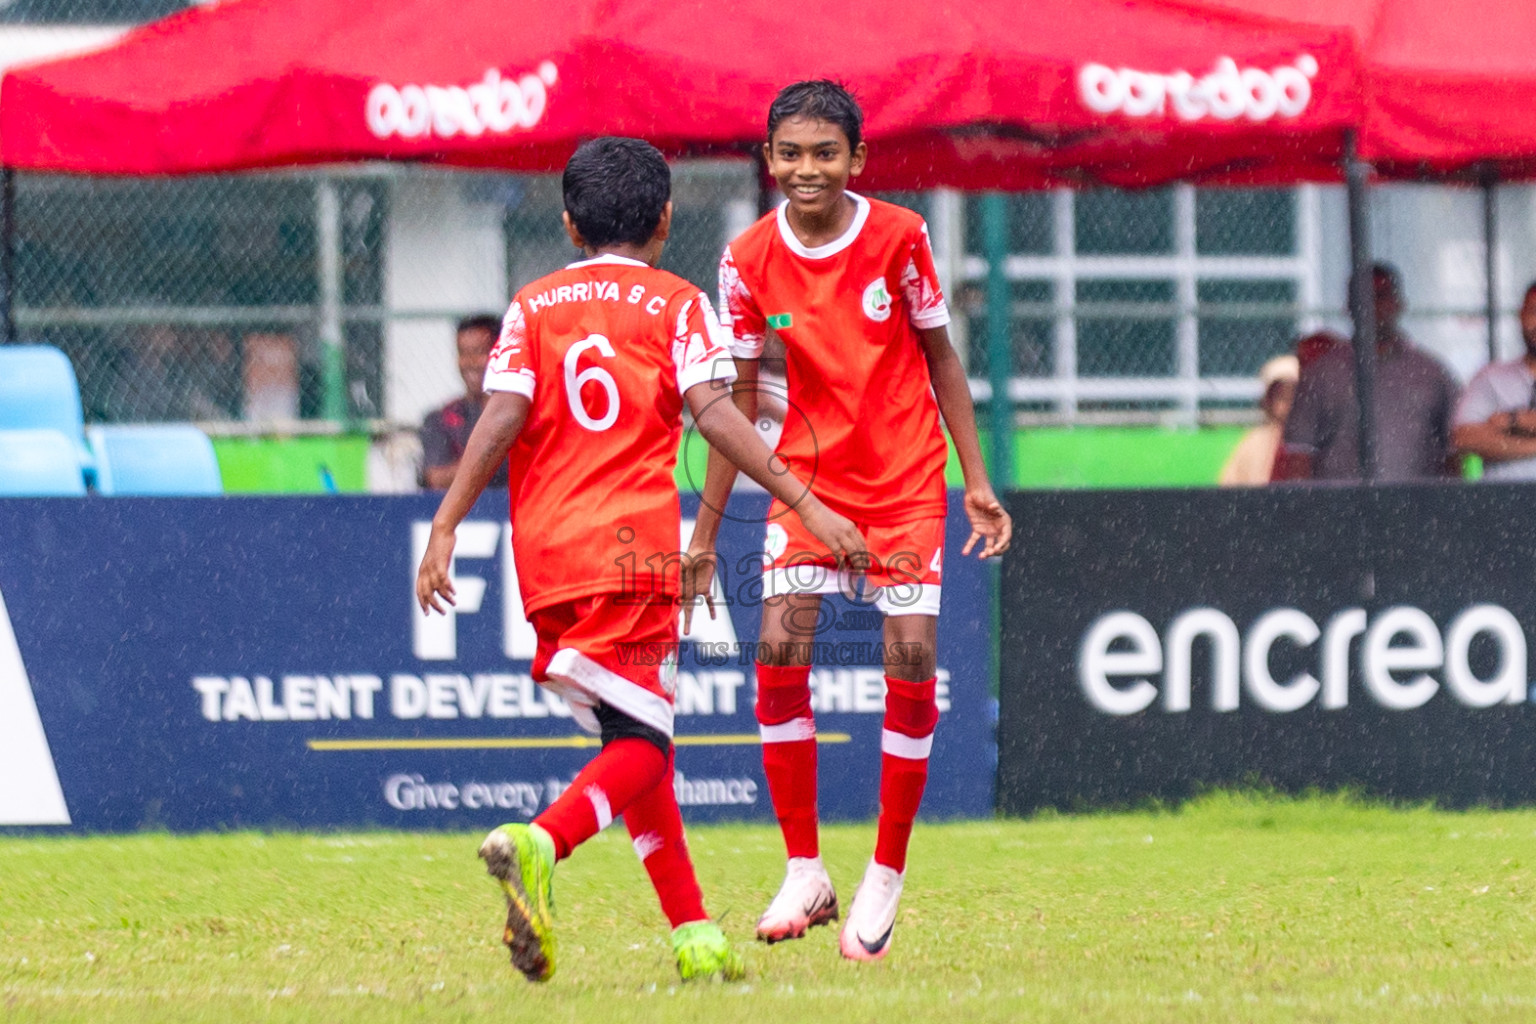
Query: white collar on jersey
x,y
607,257
833,247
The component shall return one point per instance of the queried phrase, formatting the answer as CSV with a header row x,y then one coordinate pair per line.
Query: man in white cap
x,y
1253,459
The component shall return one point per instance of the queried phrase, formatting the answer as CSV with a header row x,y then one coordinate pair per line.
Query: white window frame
x,y
1065,390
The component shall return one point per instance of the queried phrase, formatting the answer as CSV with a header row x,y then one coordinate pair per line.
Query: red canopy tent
x,y
1444,95
1126,92
1121,91
1443,89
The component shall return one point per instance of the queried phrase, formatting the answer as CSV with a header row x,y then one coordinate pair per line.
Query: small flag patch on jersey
x,y
779,321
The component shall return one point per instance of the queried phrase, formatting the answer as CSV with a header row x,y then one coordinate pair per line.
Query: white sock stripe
x,y
646,844
600,806
913,748
788,732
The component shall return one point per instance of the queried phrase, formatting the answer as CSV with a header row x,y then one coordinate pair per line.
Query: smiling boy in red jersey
x,y
849,285
587,386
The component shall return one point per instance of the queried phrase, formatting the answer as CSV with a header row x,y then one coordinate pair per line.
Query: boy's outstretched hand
x,y
990,522
432,579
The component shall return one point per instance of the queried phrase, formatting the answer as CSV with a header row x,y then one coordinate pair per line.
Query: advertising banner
x,y
1159,642
260,662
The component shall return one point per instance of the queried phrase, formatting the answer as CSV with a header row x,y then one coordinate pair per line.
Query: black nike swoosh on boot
x,y
878,944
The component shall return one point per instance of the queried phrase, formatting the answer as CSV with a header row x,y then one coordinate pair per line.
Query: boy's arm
x,y
1501,437
719,478
733,436
990,522
720,475
500,423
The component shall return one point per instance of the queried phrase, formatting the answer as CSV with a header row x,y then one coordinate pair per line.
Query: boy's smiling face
x,y
812,162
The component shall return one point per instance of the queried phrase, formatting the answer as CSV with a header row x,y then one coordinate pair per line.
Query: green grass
x,y
1233,908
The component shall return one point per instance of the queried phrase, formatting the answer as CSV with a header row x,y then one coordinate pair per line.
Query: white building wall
x,y
445,257
25,43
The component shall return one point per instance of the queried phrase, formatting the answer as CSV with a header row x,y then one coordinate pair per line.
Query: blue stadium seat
x,y
38,390
38,463
163,459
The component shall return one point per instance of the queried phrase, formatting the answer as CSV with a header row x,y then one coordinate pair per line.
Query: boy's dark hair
x,y
615,190
819,99
480,322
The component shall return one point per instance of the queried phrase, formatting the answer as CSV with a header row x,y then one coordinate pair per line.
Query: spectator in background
x,y
271,377
1415,396
1252,461
445,432
1317,344
166,373
1496,417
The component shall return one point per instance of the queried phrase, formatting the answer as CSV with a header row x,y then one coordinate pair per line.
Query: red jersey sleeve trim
x,y
739,313
518,382
508,368
934,318
926,307
699,350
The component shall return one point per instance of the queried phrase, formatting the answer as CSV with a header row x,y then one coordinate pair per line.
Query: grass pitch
x,y
1237,907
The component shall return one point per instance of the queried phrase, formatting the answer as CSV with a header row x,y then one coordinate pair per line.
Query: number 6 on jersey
x,y
575,381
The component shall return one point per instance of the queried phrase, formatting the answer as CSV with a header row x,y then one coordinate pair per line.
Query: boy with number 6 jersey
x,y
587,387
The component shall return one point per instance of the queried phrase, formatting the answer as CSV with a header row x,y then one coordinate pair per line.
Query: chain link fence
x,y
86,12
326,299
217,299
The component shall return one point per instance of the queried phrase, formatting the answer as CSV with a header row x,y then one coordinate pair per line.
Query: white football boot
x,y
805,900
872,918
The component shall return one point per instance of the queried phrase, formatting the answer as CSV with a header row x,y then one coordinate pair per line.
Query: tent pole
x,y
1490,259
994,226
1362,300
8,256
333,365
994,243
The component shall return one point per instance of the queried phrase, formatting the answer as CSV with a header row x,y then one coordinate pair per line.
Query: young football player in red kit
x,y
849,285
587,386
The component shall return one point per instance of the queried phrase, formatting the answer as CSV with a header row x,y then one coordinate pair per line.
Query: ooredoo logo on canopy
x,y
1226,93
494,104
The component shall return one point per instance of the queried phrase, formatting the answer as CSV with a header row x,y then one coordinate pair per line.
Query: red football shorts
x,y
611,649
906,565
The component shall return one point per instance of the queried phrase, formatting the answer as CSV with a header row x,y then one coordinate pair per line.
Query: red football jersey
x,y
605,350
862,424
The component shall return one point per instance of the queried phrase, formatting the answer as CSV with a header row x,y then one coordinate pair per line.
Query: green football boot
x,y
522,859
703,953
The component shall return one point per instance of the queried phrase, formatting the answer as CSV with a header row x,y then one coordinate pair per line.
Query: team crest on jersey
x,y
774,544
877,301
666,674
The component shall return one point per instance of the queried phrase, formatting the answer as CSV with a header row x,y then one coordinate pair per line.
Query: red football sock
x,y
788,729
910,716
656,827
611,781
